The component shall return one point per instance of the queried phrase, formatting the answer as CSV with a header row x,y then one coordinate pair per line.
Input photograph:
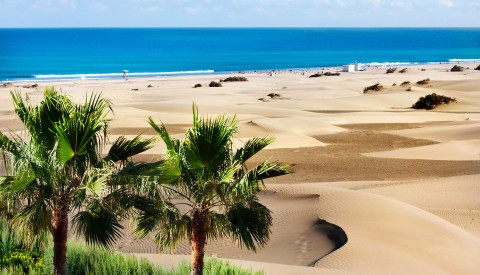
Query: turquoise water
x,y
42,54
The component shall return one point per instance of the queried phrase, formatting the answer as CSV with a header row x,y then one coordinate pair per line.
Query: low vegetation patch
x,y
391,70
477,68
22,260
423,81
7,84
457,68
198,85
331,74
404,70
215,84
30,86
234,79
394,84
404,84
431,101
375,87
149,86
325,74
18,258
274,95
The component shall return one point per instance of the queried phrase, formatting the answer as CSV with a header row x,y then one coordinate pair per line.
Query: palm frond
x,y
98,225
250,224
251,147
122,148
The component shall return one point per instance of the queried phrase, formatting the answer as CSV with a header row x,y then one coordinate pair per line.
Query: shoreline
x,y
145,75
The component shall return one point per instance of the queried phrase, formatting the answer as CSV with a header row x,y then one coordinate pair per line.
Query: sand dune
x,y
402,184
452,150
381,232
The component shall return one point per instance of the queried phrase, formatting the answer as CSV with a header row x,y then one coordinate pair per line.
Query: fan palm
x,y
56,169
203,189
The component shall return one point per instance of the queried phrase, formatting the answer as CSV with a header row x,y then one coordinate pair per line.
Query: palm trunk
x,y
60,231
198,240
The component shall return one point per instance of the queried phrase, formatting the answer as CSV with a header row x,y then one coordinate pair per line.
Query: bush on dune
x,y
404,70
375,87
405,83
198,85
423,81
457,68
325,74
477,68
215,84
391,70
234,79
431,101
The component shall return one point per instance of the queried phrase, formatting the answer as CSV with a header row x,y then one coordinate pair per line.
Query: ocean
x,y
93,53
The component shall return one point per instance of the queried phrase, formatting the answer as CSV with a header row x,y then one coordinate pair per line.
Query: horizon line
x,y
256,27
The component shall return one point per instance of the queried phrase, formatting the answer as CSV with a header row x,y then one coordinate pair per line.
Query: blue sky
x,y
239,13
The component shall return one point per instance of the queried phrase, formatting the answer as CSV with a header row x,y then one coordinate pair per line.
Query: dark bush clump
x,y
376,87
423,82
423,70
406,83
404,70
274,95
394,84
431,101
391,70
477,68
149,86
198,85
331,74
457,68
234,79
215,84
325,74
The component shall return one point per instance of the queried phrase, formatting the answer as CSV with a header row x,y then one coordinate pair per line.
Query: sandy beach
x,y
378,187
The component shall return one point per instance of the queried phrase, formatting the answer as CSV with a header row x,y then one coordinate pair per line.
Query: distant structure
x,y
352,67
348,68
358,66
125,74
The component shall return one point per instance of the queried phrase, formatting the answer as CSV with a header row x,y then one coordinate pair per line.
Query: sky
x,y
239,13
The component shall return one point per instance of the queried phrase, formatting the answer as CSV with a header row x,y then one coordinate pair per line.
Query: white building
x,y
348,68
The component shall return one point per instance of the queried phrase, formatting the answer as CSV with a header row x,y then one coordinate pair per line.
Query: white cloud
x,y
192,10
447,3
341,3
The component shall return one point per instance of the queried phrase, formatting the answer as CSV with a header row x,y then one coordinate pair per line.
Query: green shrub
x,y
423,82
198,85
234,79
391,70
375,87
431,101
22,259
457,68
215,84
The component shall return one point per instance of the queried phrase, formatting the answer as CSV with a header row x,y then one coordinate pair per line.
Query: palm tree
x,y
56,169
208,180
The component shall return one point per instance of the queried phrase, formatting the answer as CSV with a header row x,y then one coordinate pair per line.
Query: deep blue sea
x,y
41,54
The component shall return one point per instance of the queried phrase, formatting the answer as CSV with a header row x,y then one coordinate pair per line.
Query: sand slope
x,y
402,184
